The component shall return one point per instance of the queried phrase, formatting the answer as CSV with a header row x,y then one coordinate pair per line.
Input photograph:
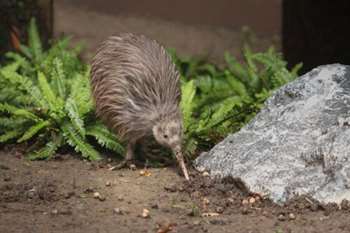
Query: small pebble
x,y
120,198
54,212
108,183
132,167
118,211
291,216
205,174
205,201
201,169
145,213
281,217
230,201
98,196
252,200
245,202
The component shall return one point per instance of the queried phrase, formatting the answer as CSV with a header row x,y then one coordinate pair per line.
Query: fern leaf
x,y
237,86
18,112
34,41
9,135
58,77
26,51
105,138
33,130
26,114
73,114
55,103
44,153
13,123
187,102
80,92
78,143
236,68
24,84
220,115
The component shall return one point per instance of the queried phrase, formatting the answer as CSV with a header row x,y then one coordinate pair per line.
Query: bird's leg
x,y
129,156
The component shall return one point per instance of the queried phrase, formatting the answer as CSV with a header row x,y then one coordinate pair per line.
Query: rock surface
x,y
298,144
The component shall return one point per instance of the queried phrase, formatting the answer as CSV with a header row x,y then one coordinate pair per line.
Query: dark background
x,y
314,32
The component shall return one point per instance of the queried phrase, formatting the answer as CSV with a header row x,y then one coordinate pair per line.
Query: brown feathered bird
x,y
136,89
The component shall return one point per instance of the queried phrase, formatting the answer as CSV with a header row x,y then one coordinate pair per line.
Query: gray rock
x,y
298,144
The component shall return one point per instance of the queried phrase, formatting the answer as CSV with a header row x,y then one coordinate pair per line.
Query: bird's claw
x,y
124,164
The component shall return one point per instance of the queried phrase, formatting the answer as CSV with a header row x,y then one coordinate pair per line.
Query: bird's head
x,y
169,133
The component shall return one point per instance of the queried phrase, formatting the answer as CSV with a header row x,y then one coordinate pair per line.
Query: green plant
x,y
218,101
45,99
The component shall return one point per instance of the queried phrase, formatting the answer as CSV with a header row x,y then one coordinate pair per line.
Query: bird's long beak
x,y
181,162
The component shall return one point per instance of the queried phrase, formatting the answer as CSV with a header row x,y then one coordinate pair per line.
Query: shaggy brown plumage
x,y
136,89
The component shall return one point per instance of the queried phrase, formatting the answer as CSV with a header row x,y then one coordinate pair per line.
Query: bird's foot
x,y
126,163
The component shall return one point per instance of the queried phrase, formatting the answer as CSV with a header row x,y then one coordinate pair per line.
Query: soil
x,y
69,195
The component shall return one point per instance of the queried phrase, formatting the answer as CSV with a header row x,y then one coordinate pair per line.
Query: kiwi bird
x,y
136,90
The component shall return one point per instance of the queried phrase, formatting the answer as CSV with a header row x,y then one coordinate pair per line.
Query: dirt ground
x,y
70,195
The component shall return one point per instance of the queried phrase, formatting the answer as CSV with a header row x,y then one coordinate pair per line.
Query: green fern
x,y
105,138
58,77
11,134
46,95
78,123
79,144
46,98
33,130
49,150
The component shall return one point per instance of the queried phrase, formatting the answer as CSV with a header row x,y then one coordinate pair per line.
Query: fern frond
x,y
18,112
105,138
46,152
78,143
10,122
22,61
26,51
23,83
34,41
80,92
58,78
219,115
187,104
33,130
55,103
74,116
9,135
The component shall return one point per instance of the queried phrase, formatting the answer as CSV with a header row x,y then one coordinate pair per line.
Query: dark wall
x,y
263,16
316,32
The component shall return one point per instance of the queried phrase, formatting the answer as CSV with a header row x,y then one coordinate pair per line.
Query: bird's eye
x,y
165,136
